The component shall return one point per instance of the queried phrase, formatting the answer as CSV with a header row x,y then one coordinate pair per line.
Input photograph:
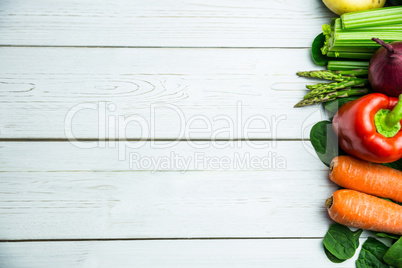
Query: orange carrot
x,y
360,210
366,177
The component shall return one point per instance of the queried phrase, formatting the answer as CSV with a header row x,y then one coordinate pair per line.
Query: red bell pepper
x,y
369,130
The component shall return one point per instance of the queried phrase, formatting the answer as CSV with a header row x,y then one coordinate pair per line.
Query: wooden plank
x,y
58,191
174,253
195,23
92,205
154,93
117,156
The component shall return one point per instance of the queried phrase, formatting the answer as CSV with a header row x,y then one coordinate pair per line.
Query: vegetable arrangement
x,y
362,143
346,46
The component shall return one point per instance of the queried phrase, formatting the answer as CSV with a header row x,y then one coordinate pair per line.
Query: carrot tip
x,y
329,202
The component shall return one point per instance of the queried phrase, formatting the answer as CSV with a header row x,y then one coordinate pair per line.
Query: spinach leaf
x,y
341,242
394,255
331,257
324,141
333,106
385,235
372,254
318,43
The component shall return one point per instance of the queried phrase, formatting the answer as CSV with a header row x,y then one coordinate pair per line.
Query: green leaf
x,y
316,53
333,106
385,235
331,257
324,141
372,254
341,242
394,255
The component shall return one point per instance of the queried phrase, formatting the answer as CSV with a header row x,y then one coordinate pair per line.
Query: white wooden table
x,y
159,133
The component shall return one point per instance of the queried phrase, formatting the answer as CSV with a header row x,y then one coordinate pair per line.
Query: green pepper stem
x,y
394,116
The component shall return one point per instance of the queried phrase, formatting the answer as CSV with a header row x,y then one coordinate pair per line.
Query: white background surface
x,y
229,63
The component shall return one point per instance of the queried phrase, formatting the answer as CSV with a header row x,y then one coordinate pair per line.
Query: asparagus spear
x,y
333,75
322,88
332,96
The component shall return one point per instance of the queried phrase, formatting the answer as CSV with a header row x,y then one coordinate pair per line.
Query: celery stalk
x,y
357,43
385,28
350,55
345,65
365,37
351,48
372,17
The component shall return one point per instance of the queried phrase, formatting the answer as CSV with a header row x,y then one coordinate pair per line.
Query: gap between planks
x,y
153,239
160,239
154,47
135,139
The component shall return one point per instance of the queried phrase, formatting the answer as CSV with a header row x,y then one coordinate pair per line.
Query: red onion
x,y
385,69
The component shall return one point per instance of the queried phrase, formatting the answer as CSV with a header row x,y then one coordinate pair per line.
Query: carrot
x,y
366,177
360,210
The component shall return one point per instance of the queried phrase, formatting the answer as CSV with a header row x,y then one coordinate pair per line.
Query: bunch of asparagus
x,y
346,83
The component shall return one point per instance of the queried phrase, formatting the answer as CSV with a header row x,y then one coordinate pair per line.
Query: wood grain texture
x,y
180,23
154,93
59,192
174,253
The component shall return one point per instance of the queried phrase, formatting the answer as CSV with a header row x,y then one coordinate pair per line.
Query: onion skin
x,y
385,70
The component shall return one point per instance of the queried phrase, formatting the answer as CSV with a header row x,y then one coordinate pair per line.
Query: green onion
x,y
372,17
